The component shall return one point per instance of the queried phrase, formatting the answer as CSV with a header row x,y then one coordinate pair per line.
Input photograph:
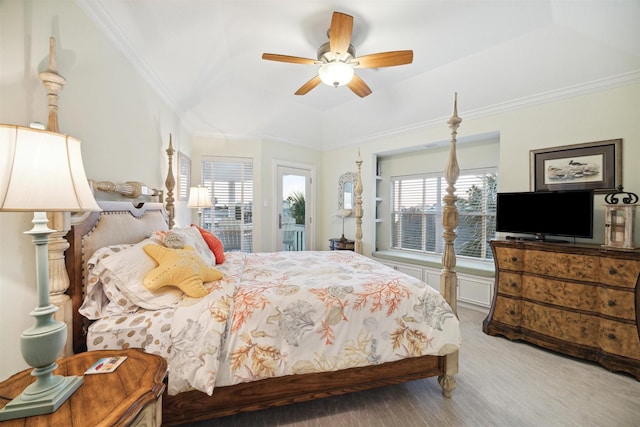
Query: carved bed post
x,y
448,278
358,206
59,221
170,183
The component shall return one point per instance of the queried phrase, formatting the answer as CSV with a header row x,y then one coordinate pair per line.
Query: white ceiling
x,y
204,58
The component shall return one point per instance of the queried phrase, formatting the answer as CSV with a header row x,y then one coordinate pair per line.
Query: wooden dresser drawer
x,y
620,338
616,303
510,258
620,272
563,265
510,283
507,311
557,292
563,325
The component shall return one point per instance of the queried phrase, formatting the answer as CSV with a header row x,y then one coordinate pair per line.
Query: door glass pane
x,y
293,213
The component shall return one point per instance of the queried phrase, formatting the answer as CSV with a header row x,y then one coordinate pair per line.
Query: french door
x,y
294,207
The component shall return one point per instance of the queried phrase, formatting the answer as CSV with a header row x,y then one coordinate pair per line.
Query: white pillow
x,y
103,299
126,270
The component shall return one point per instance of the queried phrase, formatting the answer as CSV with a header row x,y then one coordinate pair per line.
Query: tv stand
x,y
578,299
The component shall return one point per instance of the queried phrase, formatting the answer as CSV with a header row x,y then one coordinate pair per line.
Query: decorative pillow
x,y
193,238
127,269
173,240
179,267
215,245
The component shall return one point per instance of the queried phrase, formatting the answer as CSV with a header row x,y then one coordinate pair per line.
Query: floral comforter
x,y
286,313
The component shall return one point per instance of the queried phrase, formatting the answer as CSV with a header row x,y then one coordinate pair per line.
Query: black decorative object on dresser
x,y
578,299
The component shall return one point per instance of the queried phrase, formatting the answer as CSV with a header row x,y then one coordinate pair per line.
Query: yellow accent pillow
x,y
179,267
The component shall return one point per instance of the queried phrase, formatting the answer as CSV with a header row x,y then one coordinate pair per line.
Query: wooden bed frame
x,y
134,223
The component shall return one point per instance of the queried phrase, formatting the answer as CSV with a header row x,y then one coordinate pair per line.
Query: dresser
x,y
580,300
129,396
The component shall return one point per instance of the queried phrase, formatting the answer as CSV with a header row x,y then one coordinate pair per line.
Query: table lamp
x,y
41,172
199,198
343,213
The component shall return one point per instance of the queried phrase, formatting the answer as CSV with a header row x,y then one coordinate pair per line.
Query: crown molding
x,y
612,82
97,13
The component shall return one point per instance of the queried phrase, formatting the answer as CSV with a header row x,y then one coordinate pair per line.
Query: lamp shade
x,y
336,73
199,197
343,213
42,171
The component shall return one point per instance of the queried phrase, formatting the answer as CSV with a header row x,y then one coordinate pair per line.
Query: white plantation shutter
x,y
230,182
416,212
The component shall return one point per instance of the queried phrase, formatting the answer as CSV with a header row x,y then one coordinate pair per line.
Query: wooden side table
x,y
336,244
129,396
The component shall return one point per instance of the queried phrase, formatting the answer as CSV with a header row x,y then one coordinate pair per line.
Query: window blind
x,y
416,212
230,182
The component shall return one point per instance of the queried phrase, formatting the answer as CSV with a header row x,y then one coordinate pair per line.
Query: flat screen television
x,y
553,213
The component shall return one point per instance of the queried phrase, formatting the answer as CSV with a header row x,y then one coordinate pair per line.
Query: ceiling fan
x,y
337,59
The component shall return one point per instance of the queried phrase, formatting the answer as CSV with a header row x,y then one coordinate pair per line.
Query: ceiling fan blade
x,y
384,59
305,88
340,32
287,58
359,87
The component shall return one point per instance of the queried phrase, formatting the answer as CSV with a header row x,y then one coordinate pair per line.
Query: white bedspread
x,y
287,313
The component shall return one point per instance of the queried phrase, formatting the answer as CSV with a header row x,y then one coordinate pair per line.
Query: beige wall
x,y
124,127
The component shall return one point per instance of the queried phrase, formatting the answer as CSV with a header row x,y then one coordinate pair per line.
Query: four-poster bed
x,y
118,225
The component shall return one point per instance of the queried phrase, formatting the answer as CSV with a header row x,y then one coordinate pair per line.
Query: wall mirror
x,y
346,190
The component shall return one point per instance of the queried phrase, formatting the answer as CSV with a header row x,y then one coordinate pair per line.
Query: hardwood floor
x,y
500,383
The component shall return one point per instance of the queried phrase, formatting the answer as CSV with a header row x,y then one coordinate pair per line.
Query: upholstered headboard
x,y
118,223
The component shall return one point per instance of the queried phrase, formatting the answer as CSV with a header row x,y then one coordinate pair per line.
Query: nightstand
x,y
336,244
129,396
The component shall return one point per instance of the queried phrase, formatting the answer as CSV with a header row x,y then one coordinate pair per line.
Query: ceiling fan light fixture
x,y
337,59
336,73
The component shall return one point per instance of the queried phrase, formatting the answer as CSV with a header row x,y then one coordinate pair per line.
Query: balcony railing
x,y
293,237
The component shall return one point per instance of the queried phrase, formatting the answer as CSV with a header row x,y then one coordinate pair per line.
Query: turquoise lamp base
x,y
29,404
42,343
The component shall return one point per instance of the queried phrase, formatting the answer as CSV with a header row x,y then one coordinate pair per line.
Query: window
x,y
230,182
416,212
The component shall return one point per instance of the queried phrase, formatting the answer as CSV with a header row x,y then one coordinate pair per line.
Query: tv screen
x,y
554,213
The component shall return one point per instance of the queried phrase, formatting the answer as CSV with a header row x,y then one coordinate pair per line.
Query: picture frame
x,y
592,165
184,177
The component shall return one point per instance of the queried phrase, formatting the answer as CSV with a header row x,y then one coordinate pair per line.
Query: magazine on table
x,y
106,364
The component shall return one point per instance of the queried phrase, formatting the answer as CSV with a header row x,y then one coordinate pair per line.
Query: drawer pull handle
x,y
512,312
514,259
514,285
612,303
611,336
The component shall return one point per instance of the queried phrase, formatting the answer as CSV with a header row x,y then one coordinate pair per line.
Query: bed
x,y
219,362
